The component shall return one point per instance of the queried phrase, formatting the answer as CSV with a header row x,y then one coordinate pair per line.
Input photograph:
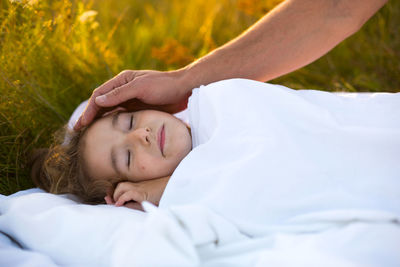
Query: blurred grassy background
x,y
54,53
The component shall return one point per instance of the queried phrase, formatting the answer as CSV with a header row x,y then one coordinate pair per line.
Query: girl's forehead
x,y
96,148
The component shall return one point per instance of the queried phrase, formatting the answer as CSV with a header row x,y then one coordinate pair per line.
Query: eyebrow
x,y
115,120
114,163
113,157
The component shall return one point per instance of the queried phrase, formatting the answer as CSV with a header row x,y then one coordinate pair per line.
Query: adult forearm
x,y
294,34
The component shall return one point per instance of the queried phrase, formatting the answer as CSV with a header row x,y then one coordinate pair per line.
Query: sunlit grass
x,y
54,53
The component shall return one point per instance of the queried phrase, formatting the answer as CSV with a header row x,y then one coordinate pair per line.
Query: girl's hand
x,y
126,192
132,205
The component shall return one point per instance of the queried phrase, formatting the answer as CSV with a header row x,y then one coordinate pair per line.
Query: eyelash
x,y
130,126
129,152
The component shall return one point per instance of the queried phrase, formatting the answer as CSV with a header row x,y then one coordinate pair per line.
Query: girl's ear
x,y
114,110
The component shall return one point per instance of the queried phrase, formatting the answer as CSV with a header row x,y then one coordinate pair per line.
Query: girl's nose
x,y
142,135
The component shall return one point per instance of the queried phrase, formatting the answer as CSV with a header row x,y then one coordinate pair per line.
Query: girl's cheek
x,y
140,162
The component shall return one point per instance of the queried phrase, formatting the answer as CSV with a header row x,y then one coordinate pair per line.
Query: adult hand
x,y
136,90
275,45
130,194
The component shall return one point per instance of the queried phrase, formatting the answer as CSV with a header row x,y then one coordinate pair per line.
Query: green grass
x,y
53,54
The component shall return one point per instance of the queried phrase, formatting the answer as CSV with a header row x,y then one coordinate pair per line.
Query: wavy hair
x,y
61,169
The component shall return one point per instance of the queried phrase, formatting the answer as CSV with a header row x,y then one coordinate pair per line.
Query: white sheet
x,y
62,233
73,234
266,155
236,200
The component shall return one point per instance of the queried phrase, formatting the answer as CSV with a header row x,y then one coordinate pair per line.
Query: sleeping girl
x,y
128,149
253,147
269,169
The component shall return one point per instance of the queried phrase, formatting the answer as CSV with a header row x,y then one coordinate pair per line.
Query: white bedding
x,y
300,178
287,153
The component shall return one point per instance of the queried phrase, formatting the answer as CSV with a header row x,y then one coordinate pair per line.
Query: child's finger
x,y
126,197
109,200
121,189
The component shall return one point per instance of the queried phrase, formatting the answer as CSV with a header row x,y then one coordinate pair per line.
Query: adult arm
x,y
292,35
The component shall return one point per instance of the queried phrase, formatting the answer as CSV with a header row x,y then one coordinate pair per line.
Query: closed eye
x,y
130,125
129,158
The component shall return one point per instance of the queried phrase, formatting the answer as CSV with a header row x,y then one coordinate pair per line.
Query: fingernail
x,y
101,99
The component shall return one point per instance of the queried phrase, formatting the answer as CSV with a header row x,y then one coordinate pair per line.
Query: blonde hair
x,y
61,168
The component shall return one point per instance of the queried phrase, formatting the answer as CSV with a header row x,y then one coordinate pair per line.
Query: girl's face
x,y
135,146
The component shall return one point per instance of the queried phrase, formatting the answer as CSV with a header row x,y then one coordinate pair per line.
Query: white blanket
x,y
277,178
266,155
55,231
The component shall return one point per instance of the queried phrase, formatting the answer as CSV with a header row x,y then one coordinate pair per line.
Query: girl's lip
x,y
161,139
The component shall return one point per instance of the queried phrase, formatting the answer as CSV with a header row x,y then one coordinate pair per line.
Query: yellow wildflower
x,y
88,16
